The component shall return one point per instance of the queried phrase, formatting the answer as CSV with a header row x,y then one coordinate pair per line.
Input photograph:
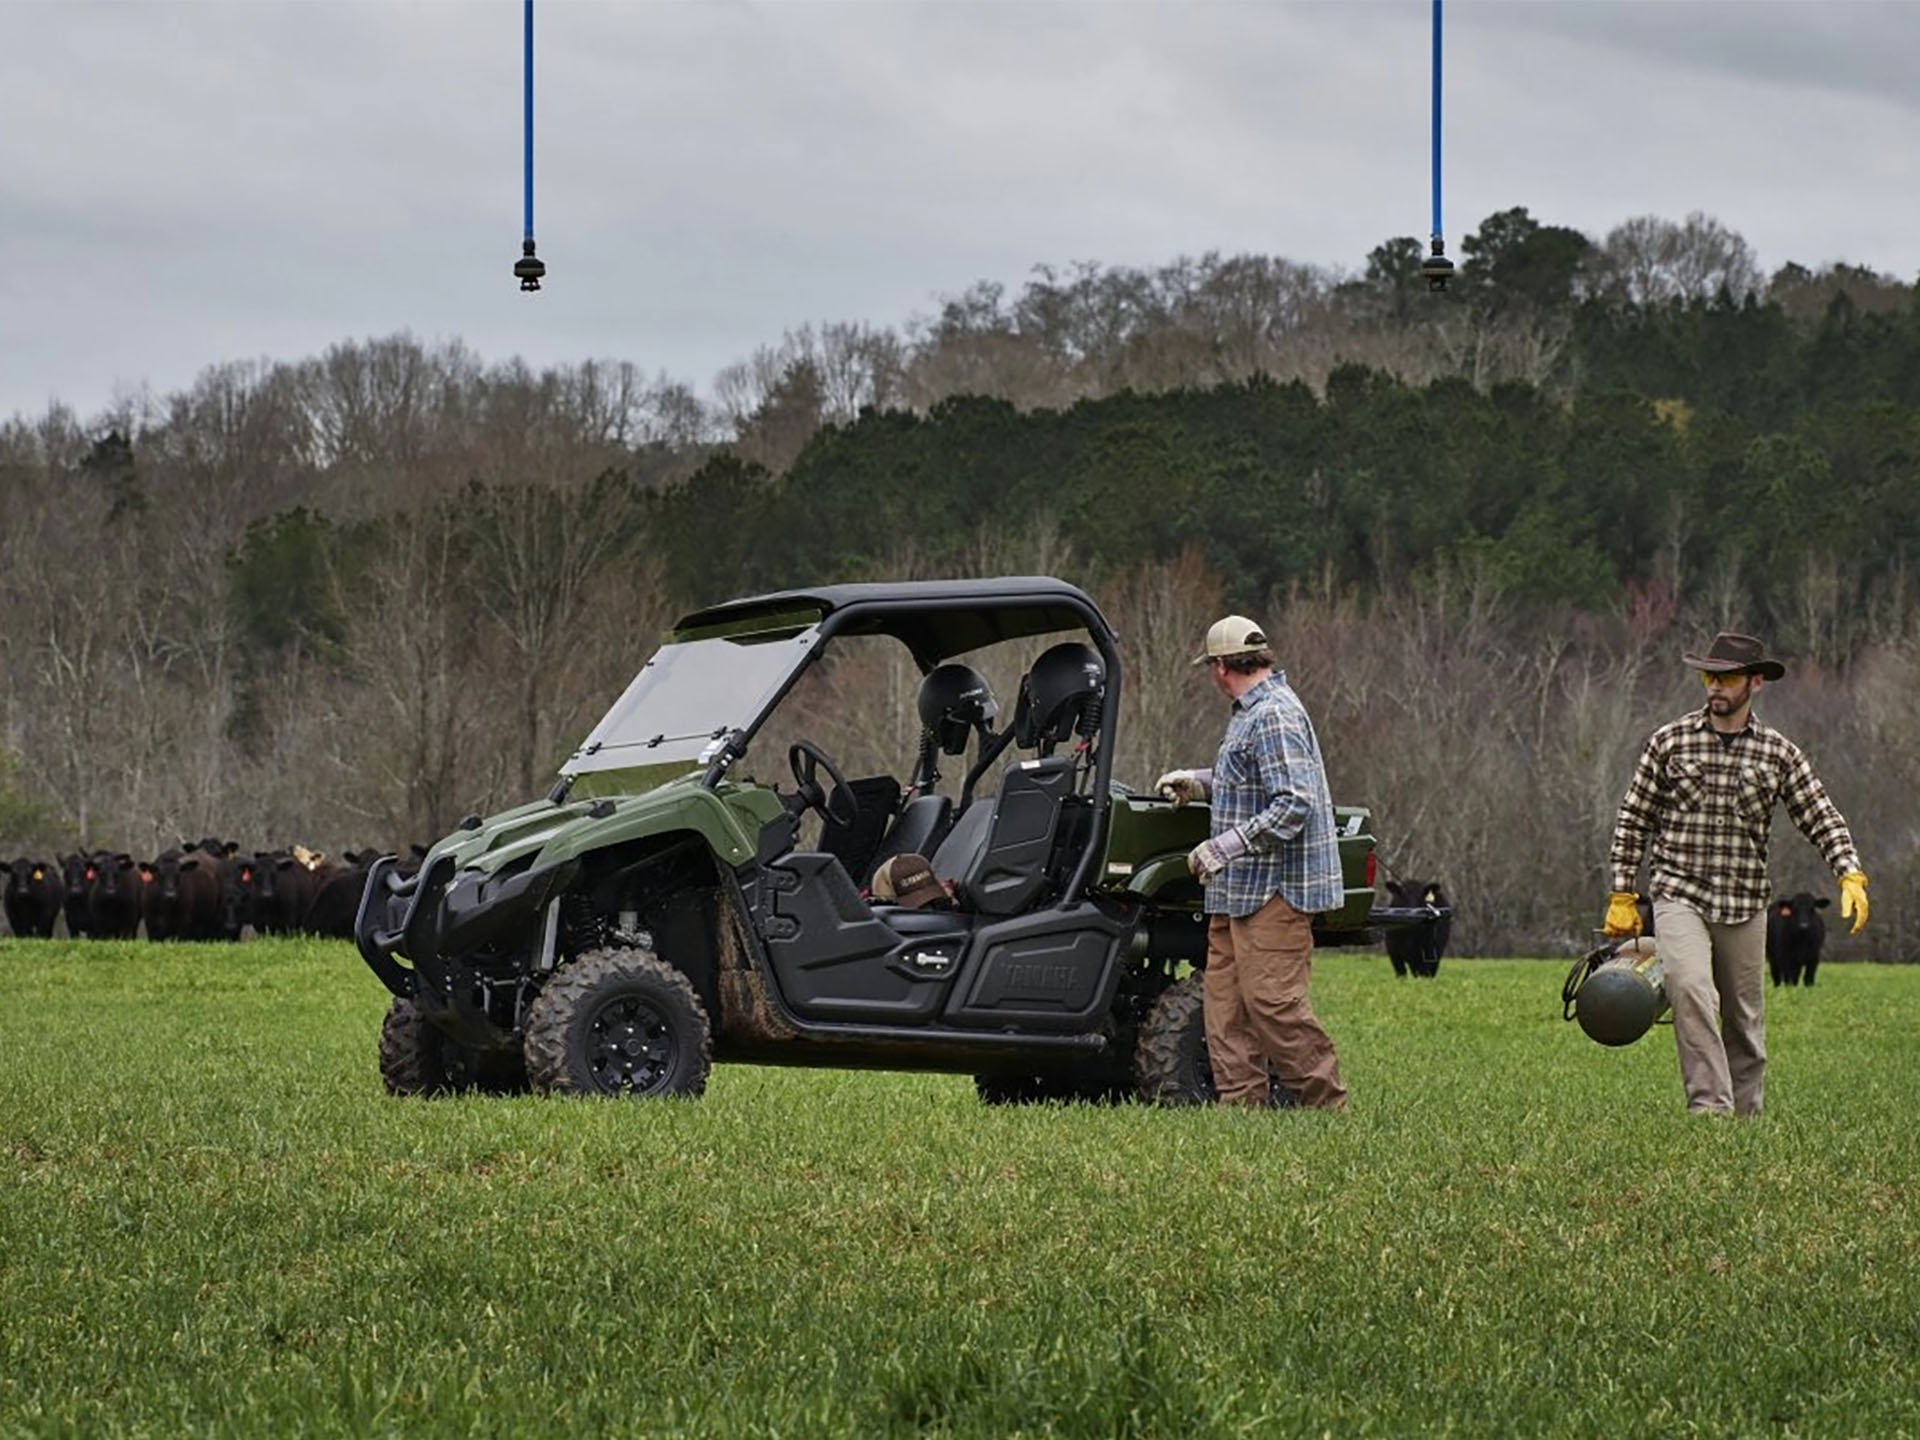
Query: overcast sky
x,y
183,184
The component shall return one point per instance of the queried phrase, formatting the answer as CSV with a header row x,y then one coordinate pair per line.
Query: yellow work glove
x,y
1853,899
1623,915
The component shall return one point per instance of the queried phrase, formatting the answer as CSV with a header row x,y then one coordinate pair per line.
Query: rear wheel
x,y
1171,1060
619,1022
418,1058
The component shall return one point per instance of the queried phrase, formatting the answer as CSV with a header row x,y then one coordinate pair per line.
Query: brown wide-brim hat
x,y
1732,654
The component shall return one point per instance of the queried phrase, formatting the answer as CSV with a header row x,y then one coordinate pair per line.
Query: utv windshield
x,y
691,694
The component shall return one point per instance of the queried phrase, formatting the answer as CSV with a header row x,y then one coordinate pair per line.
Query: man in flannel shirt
x,y
1703,794
1271,863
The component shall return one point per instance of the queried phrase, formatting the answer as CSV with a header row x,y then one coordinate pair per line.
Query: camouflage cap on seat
x,y
909,881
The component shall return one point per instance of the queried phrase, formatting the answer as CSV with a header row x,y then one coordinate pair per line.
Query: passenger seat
x,y
960,852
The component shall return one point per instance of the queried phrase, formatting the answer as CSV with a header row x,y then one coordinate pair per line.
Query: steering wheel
x,y
806,761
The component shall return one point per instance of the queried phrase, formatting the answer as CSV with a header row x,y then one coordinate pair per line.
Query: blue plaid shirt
x,y
1269,784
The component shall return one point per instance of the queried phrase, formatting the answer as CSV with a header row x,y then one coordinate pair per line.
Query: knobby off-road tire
x,y
619,1022
418,1058
1171,1060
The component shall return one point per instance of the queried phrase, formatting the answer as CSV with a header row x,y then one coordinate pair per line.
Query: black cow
x,y
337,905
78,874
285,883
264,905
182,896
1795,932
36,895
235,874
232,878
115,897
1416,949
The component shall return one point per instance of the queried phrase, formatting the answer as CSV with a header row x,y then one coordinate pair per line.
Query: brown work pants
x,y
1715,981
1257,1011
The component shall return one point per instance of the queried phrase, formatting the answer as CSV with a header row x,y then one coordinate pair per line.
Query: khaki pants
x,y
1257,1011
1715,983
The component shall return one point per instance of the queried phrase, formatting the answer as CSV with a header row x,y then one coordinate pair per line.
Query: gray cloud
x,y
203,182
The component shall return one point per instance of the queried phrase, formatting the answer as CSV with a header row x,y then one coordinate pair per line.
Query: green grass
x,y
213,1222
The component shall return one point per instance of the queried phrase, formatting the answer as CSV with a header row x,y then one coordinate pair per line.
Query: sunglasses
x,y
1714,679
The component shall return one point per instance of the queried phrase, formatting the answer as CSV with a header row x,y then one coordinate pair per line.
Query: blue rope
x,y
1436,120
530,121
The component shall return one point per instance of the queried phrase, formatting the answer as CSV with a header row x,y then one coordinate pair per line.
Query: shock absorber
x,y
581,927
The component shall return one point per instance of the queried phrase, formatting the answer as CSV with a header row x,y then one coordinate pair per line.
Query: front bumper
x,y
436,918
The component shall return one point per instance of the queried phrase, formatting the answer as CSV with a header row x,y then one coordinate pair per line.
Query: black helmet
x,y
954,701
1060,694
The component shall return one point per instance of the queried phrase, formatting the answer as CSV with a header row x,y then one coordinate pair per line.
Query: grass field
x,y
213,1222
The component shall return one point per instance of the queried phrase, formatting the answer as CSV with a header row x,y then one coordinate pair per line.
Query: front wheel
x,y
619,1022
418,1058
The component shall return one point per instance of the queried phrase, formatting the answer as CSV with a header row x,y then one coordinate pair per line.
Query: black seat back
x,y
1010,871
958,853
921,827
855,846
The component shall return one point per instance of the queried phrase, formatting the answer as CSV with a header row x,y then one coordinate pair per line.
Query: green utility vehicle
x,y
619,943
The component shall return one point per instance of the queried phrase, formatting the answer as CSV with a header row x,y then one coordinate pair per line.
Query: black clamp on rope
x,y
528,267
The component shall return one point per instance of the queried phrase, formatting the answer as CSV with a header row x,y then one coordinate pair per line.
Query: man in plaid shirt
x,y
1270,864
1704,793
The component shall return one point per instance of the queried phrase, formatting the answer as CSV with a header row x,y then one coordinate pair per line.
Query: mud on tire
x,y
418,1058
1171,1061
619,1022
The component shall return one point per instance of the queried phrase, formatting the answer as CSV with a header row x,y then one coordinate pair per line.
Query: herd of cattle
x,y
208,890
203,890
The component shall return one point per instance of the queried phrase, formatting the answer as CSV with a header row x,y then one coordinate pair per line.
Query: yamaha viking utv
x,y
620,943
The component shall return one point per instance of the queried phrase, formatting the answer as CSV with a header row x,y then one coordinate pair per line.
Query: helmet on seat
x,y
955,700
1060,694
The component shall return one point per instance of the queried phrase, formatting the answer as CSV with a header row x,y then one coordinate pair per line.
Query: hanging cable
x,y
1437,267
528,266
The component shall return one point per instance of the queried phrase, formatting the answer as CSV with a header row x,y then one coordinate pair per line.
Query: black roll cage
x,y
857,615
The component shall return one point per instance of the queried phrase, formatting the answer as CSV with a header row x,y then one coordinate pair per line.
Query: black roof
x,y
934,618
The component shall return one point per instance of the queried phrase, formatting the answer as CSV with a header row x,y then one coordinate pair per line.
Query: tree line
x,y
365,593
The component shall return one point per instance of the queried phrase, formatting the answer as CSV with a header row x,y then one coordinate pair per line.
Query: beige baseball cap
x,y
1235,635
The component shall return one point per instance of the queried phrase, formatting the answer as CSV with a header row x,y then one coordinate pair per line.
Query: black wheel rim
x,y
631,1048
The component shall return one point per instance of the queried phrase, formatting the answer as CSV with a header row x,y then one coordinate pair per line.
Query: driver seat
x,y
918,830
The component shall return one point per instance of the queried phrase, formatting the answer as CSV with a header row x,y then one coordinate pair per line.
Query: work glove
x,y
1853,899
1623,915
1210,857
1183,787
